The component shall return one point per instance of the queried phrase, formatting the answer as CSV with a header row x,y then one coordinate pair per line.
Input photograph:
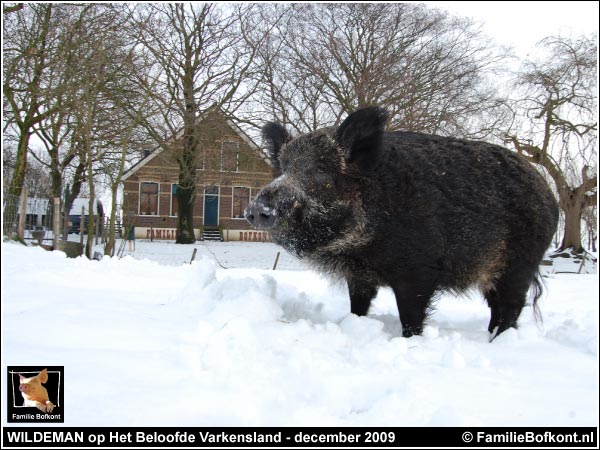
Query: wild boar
x,y
416,212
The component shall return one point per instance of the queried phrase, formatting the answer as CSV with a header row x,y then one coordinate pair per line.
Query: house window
x,y
241,198
174,203
148,199
229,156
201,154
212,159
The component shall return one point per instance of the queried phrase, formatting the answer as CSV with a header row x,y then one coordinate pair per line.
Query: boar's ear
x,y
275,137
361,136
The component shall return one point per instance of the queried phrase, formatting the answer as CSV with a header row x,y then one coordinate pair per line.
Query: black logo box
x,y
18,413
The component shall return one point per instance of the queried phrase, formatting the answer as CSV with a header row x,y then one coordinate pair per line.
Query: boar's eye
x,y
284,164
322,177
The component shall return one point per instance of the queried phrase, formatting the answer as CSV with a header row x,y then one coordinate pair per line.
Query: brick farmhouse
x,y
231,171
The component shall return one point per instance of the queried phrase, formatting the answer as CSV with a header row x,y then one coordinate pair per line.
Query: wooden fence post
x,y
276,261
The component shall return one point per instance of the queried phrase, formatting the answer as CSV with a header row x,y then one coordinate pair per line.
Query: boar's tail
x,y
537,288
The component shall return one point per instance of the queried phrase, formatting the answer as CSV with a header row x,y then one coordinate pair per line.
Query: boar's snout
x,y
260,213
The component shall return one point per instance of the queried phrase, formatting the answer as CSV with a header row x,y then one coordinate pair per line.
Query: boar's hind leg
x,y
361,294
506,299
413,301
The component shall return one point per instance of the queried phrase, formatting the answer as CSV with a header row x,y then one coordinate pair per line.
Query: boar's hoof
x,y
501,328
411,331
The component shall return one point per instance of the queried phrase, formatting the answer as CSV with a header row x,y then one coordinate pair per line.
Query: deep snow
x,y
151,344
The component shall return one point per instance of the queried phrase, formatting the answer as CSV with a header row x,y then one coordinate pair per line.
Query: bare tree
x,y
85,84
71,77
27,53
557,112
40,86
108,65
425,67
61,154
132,109
201,62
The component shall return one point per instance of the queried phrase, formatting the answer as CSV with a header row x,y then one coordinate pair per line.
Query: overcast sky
x,y
522,24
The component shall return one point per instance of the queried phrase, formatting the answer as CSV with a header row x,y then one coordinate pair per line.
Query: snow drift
x,y
153,345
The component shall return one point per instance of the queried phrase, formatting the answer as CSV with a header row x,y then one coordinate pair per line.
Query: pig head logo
x,y
34,393
418,213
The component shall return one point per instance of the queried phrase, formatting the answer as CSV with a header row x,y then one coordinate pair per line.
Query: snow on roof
x,y
37,206
82,203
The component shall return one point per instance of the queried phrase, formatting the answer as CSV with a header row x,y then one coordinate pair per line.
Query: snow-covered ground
x,y
166,343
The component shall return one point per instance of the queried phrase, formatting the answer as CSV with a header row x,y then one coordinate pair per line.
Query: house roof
x,y
142,162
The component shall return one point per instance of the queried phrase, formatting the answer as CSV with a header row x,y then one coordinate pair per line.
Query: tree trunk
x,y
572,206
91,229
186,191
55,173
109,248
78,178
55,222
185,218
30,107
16,184
89,249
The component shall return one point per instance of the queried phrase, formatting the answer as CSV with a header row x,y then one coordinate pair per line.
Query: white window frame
x,y
232,197
171,201
237,156
203,145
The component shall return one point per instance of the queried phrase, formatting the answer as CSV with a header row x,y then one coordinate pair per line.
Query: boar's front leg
x,y
362,291
413,298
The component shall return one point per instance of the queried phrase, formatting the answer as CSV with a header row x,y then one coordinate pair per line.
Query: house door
x,y
211,206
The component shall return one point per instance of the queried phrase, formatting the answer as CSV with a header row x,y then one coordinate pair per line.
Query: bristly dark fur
x,y
275,136
362,136
416,212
